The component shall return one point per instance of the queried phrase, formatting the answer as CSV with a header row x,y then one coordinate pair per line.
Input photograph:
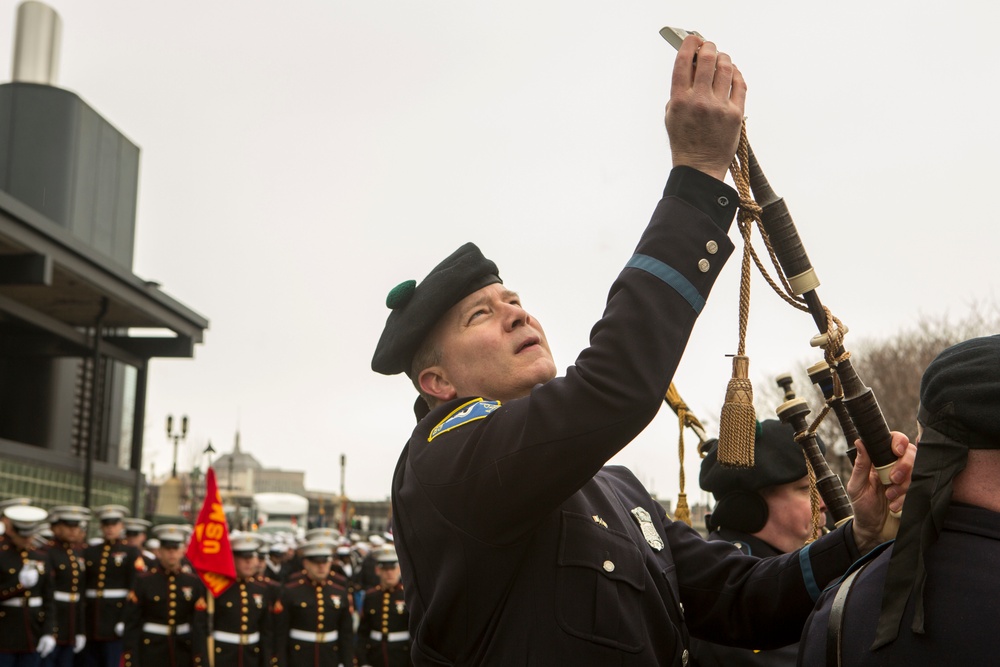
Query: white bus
x,y
281,513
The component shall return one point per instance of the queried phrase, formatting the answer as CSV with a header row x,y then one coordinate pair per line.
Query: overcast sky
x,y
301,158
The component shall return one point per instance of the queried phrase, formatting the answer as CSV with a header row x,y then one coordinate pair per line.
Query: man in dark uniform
x,y
136,533
65,561
278,565
165,614
314,622
931,597
111,568
763,511
383,633
242,626
515,546
26,611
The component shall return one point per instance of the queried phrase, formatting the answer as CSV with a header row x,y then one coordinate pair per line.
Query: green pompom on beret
x,y
401,294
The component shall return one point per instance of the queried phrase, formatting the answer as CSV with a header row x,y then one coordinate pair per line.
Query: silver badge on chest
x,y
645,522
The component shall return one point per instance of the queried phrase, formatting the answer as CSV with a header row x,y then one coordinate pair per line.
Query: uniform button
x,y
609,566
712,247
684,658
723,201
703,265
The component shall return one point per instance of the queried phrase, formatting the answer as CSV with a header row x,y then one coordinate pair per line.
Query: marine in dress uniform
x,y
242,624
165,614
136,533
65,562
314,621
277,564
26,611
383,632
931,597
111,568
763,511
517,547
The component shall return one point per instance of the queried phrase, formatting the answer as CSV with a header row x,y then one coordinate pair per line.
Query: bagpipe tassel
x,y
738,422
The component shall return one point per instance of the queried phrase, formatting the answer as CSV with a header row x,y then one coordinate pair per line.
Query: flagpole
x,y
211,555
210,640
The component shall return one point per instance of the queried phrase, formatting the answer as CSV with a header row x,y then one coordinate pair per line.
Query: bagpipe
x,y
853,403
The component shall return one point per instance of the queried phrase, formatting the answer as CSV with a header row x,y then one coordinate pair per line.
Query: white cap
x,y
172,532
321,547
75,513
110,512
26,519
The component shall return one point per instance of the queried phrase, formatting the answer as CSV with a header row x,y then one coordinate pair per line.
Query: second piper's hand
x,y
872,500
705,111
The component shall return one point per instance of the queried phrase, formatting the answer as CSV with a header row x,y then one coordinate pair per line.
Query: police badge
x,y
645,522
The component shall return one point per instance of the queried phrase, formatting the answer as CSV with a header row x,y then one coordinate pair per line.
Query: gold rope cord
x,y
685,418
813,490
813,503
738,421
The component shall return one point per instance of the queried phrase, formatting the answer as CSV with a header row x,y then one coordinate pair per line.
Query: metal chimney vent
x,y
36,44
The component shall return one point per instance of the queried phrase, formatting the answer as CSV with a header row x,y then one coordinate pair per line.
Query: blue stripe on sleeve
x,y
807,573
670,276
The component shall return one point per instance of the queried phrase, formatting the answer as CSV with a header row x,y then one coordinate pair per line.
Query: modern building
x,y
77,327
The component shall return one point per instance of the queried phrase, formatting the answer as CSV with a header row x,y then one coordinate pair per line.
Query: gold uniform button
x,y
608,566
703,265
711,247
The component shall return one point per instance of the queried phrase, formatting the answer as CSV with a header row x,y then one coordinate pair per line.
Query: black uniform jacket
x,y
517,549
243,613
708,654
165,620
383,631
313,624
25,613
66,564
111,568
960,603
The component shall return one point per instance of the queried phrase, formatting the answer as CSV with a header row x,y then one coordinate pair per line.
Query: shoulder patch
x,y
474,410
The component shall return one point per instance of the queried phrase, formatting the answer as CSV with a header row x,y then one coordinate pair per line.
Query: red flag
x,y
209,551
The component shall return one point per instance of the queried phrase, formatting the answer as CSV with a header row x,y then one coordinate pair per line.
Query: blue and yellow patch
x,y
474,410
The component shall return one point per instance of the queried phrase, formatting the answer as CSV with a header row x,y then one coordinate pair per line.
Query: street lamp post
x,y
176,437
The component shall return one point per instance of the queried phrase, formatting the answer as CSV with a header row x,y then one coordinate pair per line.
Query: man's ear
x,y
434,383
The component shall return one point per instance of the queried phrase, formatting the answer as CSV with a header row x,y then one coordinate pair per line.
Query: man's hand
x,y
705,111
119,629
28,576
79,642
872,500
46,645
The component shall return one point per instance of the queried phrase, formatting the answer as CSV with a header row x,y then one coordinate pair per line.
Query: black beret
x,y
417,308
960,393
778,459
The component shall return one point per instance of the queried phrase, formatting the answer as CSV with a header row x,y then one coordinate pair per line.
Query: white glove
x,y
46,645
79,642
28,576
120,629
